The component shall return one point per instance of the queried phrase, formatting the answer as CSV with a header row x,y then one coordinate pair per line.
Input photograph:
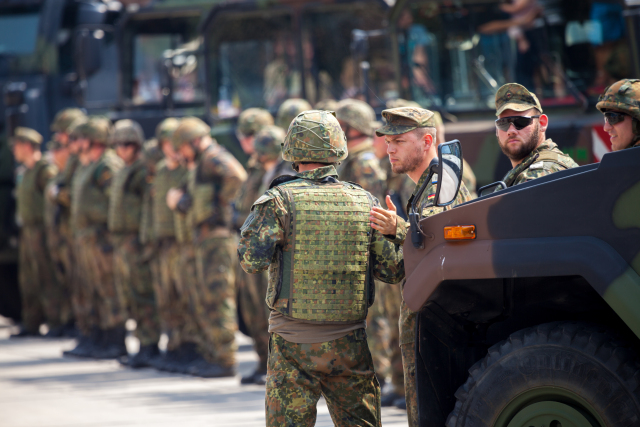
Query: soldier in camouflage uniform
x,y
250,288
212,185
93,245
620,105
318,294
289,110
412,144
61,125
35,275
131,271
520,130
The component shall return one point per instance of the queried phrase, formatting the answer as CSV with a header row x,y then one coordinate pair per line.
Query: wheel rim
x,y
549,407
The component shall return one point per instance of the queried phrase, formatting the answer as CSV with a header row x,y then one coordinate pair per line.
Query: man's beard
x,y
410,165
526,148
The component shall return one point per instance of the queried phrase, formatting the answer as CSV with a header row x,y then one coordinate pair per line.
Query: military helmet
x,y
623,96
165,128
63,120
399,103
252,120
289,110
24,134
268,142
357,114
127,131
98,130
315,136
76,127
189,129
327,105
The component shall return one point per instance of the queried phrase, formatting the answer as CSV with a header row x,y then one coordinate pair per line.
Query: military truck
x,y
528,300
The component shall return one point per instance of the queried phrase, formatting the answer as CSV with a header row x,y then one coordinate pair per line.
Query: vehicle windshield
x,y
455,55
257,60
18,33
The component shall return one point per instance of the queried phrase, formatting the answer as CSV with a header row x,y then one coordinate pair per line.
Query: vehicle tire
x,y
557,374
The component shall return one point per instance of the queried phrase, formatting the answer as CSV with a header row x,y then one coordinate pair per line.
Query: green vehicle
x,y
528,301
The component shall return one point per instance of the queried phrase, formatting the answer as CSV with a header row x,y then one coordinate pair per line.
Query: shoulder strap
x,y
282,179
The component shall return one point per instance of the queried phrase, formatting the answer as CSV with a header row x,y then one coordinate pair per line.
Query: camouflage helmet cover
x,y
24,134
63,120
97,129
623,96
357,114
268,142
398,103
315,136
513,96
165,128
127,131
289,110
327,105
76,128
252,120
189,129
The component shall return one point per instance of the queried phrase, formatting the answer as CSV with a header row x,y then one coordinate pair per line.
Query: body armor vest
x,y
31,198
203,196
164,222
560,159
125,206
325,274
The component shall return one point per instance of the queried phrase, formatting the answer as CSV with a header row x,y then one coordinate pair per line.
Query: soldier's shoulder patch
x,y
537,165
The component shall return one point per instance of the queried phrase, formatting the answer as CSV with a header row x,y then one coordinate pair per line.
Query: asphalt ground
x,y
40,388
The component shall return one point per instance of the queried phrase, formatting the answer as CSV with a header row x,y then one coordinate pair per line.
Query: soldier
x,y
318,306
61,125
94,251
35,274
619,104
132,275
520,130
250,288
410,134
363,168
212,185
289,110
249,123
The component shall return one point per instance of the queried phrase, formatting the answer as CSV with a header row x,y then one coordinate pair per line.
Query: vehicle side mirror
x,y
449,172
491,188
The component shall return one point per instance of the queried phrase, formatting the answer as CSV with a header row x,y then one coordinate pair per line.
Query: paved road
x,y
39,388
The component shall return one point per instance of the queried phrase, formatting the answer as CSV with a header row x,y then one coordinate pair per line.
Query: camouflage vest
x,y
325,278
204,201
125,207
164,221
552,156
30,207
184,233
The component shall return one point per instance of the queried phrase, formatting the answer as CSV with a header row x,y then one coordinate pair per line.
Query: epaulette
x,y
282,179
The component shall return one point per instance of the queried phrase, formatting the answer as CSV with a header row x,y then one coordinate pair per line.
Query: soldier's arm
x,y
225,172
45,175
261,233
538,171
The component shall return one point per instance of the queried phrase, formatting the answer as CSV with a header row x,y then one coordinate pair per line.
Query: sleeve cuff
x,y
402,227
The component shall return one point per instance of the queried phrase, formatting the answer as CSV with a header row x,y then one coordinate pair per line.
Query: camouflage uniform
x,y
212,185
399,121
38,287
131,267
289,110
544,159
301,369
623,96
93,245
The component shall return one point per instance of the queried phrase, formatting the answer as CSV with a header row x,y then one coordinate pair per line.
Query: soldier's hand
x,y
384,220
173,197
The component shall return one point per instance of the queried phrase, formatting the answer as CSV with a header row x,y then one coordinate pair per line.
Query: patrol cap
x,y
63,120
189,129
289,110
405,119
165,128
513,96
357,114
252,120
97,129
23,134
127,131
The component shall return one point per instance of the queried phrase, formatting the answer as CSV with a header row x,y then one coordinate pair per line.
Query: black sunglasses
x,y
613,118
520,122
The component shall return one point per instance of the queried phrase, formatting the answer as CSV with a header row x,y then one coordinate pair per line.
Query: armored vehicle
x,y
528,302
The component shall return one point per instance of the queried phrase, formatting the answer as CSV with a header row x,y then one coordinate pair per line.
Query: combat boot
x,y
205,369
187,355
112,346
86,344
143,358
258,377
24,333
55,332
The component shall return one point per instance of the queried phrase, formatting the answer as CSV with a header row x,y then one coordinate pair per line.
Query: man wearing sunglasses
x,y
520,129
619,104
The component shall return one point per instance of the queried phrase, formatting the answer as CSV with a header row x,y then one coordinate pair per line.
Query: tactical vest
x,y
164,222
325,276
30,206
560,159
203,196
125,206
184,233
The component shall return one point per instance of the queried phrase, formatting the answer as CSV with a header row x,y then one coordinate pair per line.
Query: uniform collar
x,y
319,173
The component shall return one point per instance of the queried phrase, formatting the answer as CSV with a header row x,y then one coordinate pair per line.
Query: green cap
x,y
189,129
623,96
268,142
252,120
405,119
165,128
513,96
357,114
65,118
315,136
289,110
23,134
127,131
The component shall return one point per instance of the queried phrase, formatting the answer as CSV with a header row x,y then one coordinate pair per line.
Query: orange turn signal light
x,y
460,232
